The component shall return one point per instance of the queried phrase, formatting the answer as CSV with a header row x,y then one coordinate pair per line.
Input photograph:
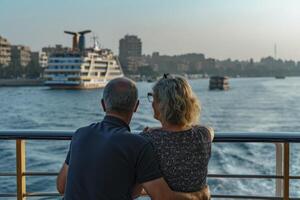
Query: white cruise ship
x,y
80,67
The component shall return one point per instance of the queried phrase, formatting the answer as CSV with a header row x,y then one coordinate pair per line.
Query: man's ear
x,y
136,106
103,105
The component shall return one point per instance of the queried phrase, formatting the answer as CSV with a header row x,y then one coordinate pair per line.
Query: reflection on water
x,y
257,104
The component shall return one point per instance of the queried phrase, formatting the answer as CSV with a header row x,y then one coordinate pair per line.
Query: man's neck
x,y
123,117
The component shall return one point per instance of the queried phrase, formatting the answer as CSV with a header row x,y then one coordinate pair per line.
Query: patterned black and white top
x,y
183,156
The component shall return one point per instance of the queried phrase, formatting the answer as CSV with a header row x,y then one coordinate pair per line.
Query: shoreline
x,y
21,82
40,82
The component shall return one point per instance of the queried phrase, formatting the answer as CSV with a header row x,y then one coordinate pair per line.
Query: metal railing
x,y
281,140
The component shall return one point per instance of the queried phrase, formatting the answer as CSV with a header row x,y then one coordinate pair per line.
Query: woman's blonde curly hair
x,y
177,102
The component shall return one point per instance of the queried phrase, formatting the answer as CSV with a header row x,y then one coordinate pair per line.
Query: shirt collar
x,y
116,120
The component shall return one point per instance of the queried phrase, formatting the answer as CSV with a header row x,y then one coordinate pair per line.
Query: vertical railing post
x,y
286,174
21,167
279,169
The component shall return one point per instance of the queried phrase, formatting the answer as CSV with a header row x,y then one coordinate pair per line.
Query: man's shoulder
x,y
86,129
125,135
131,137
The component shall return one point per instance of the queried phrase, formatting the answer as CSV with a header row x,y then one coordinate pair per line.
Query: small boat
x,y
280,77
218,83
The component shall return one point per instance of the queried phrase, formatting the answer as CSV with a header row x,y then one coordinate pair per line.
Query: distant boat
x,y
280,77
218,83
151,79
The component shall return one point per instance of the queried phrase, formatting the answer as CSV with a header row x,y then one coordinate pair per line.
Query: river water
x,y
251,104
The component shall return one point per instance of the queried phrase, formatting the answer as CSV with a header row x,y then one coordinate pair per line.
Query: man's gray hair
x,y
120,95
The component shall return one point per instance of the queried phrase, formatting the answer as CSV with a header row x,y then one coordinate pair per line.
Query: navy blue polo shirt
x,y
106,161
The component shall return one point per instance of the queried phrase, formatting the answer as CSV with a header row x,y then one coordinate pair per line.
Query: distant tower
x,y
129,47
275,51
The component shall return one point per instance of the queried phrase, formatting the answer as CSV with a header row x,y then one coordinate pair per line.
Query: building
x,y
130,47
43,59
20,55
155,54
58,48
134,63
35,58
5,52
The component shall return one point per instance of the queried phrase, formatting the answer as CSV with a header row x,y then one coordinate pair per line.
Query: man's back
x,y
106,161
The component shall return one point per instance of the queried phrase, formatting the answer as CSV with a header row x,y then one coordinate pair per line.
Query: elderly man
x,y
105,161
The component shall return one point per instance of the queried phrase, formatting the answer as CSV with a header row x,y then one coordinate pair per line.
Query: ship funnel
x,y
75,39
78,39
82,39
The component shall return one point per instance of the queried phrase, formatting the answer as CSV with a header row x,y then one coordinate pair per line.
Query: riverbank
x,y
21,82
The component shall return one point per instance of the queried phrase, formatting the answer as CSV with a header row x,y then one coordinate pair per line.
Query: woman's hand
x,y
203,194
138,191
148,129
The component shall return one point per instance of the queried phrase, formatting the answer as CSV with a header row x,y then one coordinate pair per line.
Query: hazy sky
x,y
239,29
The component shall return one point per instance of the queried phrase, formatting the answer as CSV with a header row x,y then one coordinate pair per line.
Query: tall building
x,y
5,52
35,58
20,55
130,48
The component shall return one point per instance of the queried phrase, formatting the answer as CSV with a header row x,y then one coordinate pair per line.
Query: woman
x,y
183,147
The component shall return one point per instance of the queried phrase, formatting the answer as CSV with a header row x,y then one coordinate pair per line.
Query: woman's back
x,y
183,156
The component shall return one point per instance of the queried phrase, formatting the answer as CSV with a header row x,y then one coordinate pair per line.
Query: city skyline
x,y
220,29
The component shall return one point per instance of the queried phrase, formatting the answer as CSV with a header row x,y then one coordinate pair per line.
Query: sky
x,y
236,29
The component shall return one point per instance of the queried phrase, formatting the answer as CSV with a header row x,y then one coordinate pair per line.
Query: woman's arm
x,y
204,194
211,133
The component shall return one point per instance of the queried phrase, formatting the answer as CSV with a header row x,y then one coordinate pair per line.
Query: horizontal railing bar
x,y
245,197
258,137
295,177
8,174
31,174
41,173
209,175
8,195
51,194
36,135
244,176
42,194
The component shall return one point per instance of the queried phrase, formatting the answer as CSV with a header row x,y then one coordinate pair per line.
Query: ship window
x,y
114,73
102,73
100,62
97,67
84,73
